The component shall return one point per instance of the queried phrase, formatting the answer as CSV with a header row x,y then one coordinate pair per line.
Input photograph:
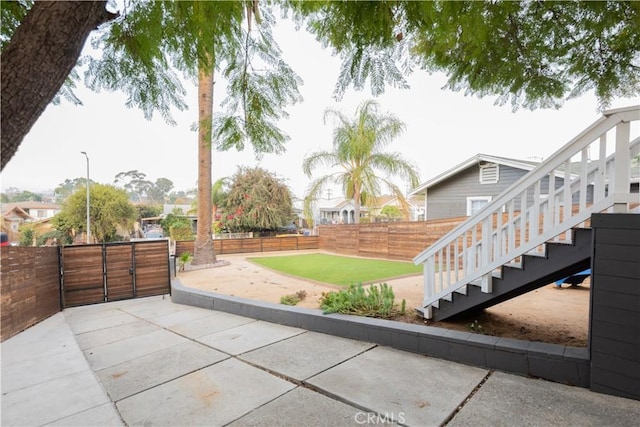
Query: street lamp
x,y
88,220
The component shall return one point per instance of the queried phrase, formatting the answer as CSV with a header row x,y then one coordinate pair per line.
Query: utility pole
x,y
88,218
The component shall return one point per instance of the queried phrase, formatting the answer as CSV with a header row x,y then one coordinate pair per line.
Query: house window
x,y
475,204
489,173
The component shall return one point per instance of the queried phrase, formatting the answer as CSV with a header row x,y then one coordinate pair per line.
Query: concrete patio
x,y
153,362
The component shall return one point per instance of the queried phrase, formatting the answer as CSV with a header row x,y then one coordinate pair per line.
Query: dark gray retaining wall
x,y
615,305
568,365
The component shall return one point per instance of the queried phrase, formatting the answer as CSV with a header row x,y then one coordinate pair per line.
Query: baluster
x,y
567,211
511,231
551,201
599,190
523,218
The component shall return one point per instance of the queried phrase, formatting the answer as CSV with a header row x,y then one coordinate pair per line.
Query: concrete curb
x,y
553,362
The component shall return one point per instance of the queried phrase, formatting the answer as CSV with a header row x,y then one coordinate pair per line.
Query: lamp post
x,y
88,218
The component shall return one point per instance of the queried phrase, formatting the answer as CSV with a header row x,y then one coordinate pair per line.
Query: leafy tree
x,y
109,207
68,187
391,211
181,194
39,56
358,146
200,38
531,54
26,196
135,183
177,226
534,54
257,200
160,190
147,211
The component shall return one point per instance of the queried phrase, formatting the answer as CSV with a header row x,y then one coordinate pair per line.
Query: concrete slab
x,y
128,349
58,398
37,370
303,407
248,337
408,388
180,317
48,337
117,333
104,415
104,316
28,358
148,309
134,376
305,355
216,395
217,322
508,400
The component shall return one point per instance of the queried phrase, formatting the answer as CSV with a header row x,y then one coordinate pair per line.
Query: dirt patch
x,y
548,314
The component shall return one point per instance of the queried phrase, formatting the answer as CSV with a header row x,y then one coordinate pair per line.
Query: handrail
x,y
591,173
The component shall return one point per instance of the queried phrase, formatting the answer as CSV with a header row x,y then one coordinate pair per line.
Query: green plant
x,y
374,301
27,236
182,231
293,299
476,327
184,259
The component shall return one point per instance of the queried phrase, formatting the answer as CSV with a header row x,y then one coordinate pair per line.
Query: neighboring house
x,y
469,186
18,213
337,210
415,205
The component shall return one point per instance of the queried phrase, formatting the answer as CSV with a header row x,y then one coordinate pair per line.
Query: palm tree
x,y
218,195
203,245
358,146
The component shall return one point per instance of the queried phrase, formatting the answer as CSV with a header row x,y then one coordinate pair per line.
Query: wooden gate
x,y
114,271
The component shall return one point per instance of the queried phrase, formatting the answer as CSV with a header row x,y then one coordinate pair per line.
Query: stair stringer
x,y
560,260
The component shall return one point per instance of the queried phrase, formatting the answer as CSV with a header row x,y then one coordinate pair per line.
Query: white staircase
x,y
592,173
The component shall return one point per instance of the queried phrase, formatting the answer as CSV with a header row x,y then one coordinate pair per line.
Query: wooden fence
x,y
392,240
32,287
29,288
114,271
258,244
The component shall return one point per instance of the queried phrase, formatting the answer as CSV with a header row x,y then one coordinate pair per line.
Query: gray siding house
x,y
466,188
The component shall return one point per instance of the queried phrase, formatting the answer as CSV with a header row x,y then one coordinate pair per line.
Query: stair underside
x,y
560,260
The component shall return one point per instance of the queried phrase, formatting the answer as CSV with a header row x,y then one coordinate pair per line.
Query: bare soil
x,y
548,314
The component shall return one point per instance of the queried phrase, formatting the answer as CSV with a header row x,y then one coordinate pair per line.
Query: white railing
x,y
591,173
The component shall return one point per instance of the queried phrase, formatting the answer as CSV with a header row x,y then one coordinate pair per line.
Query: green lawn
x,y
338,270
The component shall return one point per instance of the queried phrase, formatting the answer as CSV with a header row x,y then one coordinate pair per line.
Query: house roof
x,y
477,159
6,207
413,200
16,213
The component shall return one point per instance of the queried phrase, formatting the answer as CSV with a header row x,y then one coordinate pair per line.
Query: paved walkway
x,y
152,362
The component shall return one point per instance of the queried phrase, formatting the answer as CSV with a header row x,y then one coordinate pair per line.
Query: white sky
x,y
443,128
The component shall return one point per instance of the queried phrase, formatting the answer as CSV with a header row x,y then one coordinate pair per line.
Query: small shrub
x,y
375,301
184,259
293,299
476,327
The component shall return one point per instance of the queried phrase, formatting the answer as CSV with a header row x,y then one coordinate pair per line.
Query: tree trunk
x,y
357,194
41,54
203,246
